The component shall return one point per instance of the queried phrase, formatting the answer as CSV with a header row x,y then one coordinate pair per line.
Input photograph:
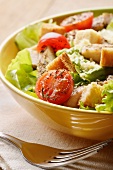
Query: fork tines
x,y
67,157
79,154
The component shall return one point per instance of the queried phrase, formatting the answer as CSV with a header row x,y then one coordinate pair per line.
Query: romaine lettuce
x,y
107,98
28,36
20,72
110,26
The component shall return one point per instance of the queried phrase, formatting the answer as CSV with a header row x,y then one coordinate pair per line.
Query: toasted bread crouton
x,y
106,57
61,62
47,27
93,51
91,35
91,95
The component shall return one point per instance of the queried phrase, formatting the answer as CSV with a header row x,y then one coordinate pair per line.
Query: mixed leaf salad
x,y
69,64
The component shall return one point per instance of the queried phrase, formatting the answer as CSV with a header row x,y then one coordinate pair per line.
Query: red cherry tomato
x,y
80,21
55,86
55,40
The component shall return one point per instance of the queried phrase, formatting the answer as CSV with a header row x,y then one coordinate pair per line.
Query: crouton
x,y
91,95
47,27
61,62
106,57
91,35
93,51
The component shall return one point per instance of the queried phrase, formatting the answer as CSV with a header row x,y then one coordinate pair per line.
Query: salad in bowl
x,y
70,63
60,69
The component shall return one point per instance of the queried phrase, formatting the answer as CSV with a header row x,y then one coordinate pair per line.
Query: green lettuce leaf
x,y
107,98
20,72
78,81
29,36
85,107
110,26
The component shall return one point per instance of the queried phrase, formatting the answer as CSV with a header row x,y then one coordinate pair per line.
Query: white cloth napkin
x,y
15,121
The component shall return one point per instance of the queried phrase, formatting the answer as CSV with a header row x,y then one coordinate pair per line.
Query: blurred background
x,y
16,13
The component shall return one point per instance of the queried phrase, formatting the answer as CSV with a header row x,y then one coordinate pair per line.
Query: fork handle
x,y
11,139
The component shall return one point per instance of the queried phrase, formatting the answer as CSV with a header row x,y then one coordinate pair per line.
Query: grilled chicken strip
x,y
41,60
74,98
44,59
102,21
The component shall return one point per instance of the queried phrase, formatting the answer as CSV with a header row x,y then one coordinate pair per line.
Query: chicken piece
x,y
61,62
71,35
107,36
34,56
102,21
106,57
93,51
43,59
91,35
74,98
91,95
47,27
110,77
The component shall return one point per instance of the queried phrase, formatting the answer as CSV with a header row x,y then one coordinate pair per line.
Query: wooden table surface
x,y
13,15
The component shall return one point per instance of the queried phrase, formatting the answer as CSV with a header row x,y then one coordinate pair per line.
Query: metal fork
x,y
49,157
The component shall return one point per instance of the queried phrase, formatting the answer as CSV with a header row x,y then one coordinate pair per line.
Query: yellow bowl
x,y
78,122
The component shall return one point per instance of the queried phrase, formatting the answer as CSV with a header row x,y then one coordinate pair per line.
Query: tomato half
x,y
55,86
80,21
55,40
